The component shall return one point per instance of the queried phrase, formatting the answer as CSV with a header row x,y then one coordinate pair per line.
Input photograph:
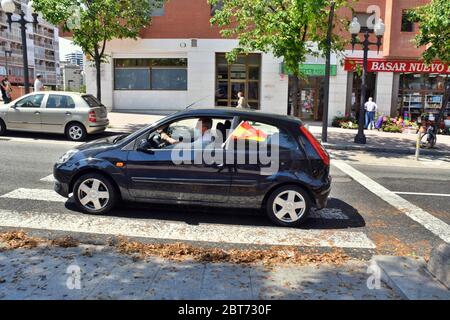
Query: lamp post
x,y
354,29
8,53
10,7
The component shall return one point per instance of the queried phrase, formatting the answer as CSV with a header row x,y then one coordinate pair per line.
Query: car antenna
x,y
194,103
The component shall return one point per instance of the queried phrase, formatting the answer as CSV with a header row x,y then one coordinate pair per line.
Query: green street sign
x,y
313,70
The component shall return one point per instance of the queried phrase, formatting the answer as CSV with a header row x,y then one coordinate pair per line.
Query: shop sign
x,y
380,65
312,70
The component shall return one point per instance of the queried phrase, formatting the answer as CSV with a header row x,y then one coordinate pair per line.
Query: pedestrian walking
x,y
371,108
242,103
6,90
38,85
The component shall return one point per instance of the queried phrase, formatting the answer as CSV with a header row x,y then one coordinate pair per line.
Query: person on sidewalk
x,y
370,107
38,85
6,90
242,103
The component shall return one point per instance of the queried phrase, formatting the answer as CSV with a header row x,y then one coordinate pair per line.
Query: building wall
x,y
201,76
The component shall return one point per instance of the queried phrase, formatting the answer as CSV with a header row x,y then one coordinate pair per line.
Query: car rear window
x,y
92,101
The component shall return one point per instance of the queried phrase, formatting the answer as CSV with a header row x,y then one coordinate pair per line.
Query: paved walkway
x,y
89,272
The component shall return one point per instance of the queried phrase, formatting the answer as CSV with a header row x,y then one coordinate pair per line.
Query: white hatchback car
x,y
73,114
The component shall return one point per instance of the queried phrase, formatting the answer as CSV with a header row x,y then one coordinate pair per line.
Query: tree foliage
x,y
95,22
284,27
434,30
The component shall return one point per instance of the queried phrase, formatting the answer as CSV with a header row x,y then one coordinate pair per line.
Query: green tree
x,y
95,22
434,36
284,27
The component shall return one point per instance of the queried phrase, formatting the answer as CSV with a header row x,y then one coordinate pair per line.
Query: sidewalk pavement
x,y
95,272
338,139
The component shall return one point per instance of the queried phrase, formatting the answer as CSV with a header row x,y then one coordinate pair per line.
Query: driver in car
x,y
165,137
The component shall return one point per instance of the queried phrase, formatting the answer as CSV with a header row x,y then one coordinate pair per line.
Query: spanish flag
x,y
246,132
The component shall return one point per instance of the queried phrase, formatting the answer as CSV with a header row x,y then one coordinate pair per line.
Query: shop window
x,y
150,74
132,79
169,79
407,23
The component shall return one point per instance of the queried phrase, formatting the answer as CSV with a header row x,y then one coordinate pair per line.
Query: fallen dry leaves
x,y
272,256
19,239
181,251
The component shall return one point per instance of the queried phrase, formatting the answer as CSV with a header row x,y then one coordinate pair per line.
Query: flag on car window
x,y
245,131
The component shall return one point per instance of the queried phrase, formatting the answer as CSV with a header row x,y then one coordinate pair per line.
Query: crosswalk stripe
x,y
427,220
48,178
52,196
34,194
178,231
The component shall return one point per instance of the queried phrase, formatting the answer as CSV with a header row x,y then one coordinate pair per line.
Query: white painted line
x,y
49,178
34,194
423,194
43,141
179,231
435,225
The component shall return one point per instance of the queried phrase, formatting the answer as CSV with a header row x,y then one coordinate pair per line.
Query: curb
x,y
439,264
409,278
409,151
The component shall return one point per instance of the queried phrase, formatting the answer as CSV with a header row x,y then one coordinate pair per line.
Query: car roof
x,y
235,112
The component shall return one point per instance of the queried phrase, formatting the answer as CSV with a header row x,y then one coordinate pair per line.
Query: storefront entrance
x,y
354,104
311,98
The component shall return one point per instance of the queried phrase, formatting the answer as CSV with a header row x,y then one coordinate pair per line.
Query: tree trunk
x,y
98,71
294,90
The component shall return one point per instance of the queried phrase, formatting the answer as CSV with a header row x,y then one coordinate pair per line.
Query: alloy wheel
x,y
289,206
93,194
75,132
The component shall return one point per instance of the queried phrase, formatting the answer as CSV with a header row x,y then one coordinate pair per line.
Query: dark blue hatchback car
x,y
227,157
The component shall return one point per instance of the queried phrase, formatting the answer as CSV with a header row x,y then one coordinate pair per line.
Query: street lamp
x,y
8,53
355,28
9,7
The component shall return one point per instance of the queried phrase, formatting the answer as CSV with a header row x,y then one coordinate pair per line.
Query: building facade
x,y
75,58
72,76
43,51
179,60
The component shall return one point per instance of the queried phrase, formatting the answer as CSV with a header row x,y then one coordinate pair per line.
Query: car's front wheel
x,y
288,206
76,132
94,194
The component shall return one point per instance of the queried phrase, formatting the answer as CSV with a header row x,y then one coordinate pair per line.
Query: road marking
x,y
423,194
52,196
435,225
34,194
49,178
43,141
179,231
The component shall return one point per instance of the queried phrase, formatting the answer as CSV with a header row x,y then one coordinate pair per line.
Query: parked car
x,y
73,114
141,167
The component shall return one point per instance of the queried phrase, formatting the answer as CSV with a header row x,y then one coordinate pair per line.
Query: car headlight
x,y
66,157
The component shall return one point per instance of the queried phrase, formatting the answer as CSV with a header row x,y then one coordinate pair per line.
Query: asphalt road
x,y
24,162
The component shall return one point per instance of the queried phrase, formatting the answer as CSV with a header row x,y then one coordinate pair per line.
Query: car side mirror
x,y
14,106
144,146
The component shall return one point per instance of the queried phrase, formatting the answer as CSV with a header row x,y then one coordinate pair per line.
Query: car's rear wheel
x,y
94,194
288,206
2,128
76,132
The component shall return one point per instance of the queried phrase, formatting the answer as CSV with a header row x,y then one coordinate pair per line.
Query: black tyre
x,y
94,194
288,206
2,128
76,132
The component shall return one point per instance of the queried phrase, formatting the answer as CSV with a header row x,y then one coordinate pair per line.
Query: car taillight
x,y
316,145
92,116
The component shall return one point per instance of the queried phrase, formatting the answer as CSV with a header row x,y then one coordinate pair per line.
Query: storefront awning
x,y
397,66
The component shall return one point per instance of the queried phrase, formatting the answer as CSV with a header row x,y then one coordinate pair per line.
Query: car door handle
x,y
68,113
37,113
